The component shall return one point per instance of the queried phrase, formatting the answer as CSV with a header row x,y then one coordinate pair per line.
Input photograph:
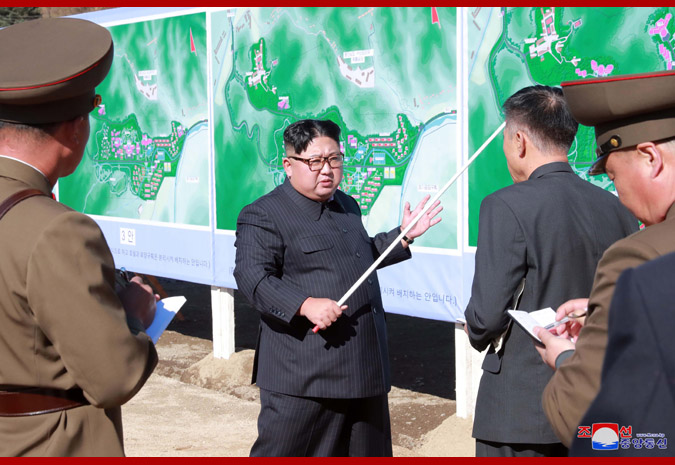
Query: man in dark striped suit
x,y
299,249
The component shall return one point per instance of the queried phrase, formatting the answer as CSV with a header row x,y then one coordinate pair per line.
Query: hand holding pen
x,y
571,317
138,299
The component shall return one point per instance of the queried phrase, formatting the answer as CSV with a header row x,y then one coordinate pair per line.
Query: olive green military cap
x,y
624,110
50,68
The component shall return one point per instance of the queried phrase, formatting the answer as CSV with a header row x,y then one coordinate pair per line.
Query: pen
x,y
557,323
122,277
566,319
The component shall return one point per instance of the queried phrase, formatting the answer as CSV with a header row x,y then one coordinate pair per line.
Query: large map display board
x,y
194,109
146,172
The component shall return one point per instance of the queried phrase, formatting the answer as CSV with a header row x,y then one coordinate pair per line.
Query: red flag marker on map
x,y
192,43
434,16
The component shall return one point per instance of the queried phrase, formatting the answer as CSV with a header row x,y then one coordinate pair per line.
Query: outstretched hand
x,y
425,222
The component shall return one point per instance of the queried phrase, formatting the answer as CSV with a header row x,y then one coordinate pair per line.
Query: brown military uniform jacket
x,y
62,325
576,383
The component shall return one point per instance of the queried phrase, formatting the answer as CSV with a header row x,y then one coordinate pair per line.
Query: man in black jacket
x,y
550,229
299,249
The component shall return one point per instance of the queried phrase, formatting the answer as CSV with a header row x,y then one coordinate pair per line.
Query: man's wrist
x,y
135,325
562,356
300,312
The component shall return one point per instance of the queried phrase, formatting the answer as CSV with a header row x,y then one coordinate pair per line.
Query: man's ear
x,y
64,132
78,125
521,142
287,166
73,129
652,155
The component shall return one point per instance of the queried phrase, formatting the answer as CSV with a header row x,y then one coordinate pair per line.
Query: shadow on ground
x,y
421,351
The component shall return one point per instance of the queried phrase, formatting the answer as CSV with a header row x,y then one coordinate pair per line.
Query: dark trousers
x,y
291,426
501,449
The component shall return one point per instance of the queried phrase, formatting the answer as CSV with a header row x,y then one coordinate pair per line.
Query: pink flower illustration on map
x,y
601,70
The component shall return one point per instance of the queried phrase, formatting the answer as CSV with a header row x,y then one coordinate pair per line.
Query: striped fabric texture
x,y
288,248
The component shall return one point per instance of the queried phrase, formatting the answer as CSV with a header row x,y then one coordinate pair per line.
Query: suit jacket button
x,y
370,281
358,254
344,230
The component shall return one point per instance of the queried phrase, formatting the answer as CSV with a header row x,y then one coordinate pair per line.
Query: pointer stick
x,y
415,220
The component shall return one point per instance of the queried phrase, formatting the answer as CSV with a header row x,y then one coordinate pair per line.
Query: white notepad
x,y
528,320
166,310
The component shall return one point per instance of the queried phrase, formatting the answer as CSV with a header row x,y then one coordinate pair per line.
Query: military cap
x,y
625,110
50,68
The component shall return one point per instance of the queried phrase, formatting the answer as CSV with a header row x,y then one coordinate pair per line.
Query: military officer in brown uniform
x,y
634,120
73,346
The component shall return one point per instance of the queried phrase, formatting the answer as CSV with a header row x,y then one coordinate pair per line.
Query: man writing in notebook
x,y
634,120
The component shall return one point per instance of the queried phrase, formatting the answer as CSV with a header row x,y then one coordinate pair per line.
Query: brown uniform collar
x,y
14,169
671,212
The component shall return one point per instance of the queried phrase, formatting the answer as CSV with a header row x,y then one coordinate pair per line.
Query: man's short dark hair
x,y
31,131
301,133
543,113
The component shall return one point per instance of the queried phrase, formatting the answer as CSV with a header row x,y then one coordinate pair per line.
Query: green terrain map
x,y
386,76
148,153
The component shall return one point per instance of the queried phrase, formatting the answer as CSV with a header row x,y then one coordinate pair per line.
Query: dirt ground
x,y
196,405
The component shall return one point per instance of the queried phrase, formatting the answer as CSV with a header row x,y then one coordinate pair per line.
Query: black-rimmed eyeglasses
x,y
316,163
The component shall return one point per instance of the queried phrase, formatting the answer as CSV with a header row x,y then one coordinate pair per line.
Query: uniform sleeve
x,y
259,266
576,383
501,263
70,289
611,400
